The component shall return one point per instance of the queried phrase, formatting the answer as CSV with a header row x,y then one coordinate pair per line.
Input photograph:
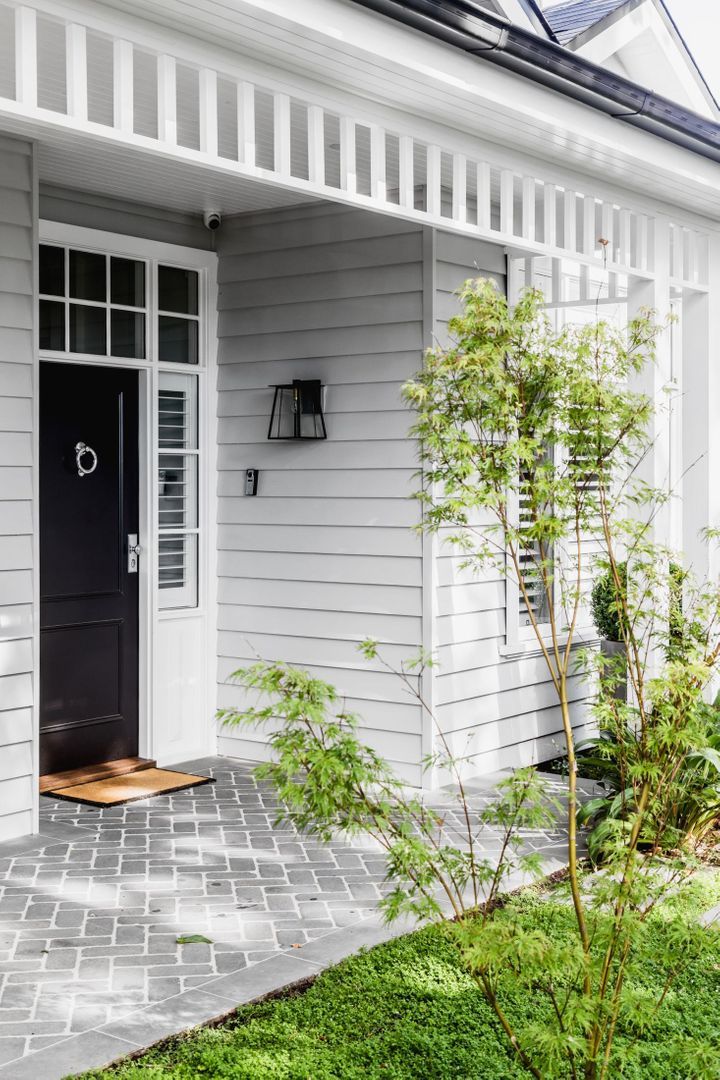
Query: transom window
x,y
98,305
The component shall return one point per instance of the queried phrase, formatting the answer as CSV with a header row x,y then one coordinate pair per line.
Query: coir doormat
x,y
116,790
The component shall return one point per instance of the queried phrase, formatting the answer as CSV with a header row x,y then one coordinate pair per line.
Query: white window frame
x,y
151,614
522,640
180,598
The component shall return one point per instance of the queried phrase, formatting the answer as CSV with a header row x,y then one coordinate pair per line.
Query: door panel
x,y
88,600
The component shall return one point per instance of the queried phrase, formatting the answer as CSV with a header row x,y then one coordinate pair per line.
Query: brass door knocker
x,y
81,449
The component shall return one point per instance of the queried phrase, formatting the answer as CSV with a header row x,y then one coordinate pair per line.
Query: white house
x,y
360,159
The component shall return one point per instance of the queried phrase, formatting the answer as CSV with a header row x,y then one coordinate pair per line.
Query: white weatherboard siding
x,y
123,217
17,411
325,554
497,710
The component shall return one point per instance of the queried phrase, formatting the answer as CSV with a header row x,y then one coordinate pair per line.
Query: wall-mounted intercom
x,y
251,481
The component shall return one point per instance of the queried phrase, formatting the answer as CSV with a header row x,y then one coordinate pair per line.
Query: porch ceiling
x,y
67,160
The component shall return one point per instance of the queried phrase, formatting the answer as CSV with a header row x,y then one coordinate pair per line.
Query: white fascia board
x,y
354,59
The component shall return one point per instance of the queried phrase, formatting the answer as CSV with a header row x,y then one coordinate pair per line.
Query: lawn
x,y
407,1011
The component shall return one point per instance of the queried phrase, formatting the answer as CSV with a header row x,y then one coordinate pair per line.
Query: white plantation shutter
x,y
583,468
537,602
177,490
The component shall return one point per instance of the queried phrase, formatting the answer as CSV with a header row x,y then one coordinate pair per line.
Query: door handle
x,y
134,550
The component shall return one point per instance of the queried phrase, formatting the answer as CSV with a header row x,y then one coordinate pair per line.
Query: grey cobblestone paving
x,y
90,967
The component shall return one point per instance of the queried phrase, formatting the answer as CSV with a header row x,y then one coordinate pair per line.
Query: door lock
x,y
134,550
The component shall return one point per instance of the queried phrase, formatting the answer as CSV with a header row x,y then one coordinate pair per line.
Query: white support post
x,y
483,196
434,181
76,71
675,252
690,256
281,134
550,215
123,109
607,229
406,172
557,282
378,181
507,202
702,257
316,145
528,207
569,220
642,254
26,57
624,234
459,199
700,328
207,88
655,469
348,155
167,99
590,244
246,123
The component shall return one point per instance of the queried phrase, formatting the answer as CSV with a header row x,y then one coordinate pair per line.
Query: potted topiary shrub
x,y
608,611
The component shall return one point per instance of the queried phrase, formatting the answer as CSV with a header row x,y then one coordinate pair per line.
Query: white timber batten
x,y
210,112
361,53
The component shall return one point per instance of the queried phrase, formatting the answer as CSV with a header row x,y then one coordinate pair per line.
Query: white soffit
x,y
67,160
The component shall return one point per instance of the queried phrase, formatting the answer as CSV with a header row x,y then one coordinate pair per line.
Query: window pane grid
x,y
178,321
81,303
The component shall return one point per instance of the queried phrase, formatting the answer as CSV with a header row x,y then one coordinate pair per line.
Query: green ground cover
x,y
407,1011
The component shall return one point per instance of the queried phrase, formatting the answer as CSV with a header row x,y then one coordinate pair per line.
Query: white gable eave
x,y
640,40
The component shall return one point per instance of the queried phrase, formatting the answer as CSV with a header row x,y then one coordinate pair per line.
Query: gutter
x,y
467,26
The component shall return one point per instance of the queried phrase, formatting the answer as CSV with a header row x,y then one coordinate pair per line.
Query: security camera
x,y
212,219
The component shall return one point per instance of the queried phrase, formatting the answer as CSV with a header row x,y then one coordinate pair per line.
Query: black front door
x,y
88,598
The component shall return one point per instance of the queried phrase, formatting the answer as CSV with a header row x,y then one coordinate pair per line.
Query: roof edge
x,y
671,26
464,25
675,30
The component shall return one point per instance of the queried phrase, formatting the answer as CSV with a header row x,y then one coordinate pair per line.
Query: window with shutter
x,y
576,294
177,490
533,598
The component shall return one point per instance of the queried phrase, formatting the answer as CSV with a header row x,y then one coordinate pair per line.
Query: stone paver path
x,y
90,911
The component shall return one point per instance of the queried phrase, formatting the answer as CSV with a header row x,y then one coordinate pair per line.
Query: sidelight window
x,y
177,490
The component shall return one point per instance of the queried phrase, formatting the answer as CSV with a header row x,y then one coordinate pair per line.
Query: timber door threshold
x,y
89,773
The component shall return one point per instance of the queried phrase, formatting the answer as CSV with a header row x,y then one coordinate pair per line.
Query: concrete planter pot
x,y
615,686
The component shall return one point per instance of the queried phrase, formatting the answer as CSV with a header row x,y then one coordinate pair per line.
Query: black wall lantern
x,y
297,411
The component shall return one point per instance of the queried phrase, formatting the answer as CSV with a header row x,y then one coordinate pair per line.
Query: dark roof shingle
x,y
569,19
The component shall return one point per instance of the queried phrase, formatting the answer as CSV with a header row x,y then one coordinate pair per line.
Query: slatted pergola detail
x,y
65,73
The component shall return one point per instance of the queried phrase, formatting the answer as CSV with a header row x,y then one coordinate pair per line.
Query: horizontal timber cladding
x,y
497,711
127,218
17,213
325,554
